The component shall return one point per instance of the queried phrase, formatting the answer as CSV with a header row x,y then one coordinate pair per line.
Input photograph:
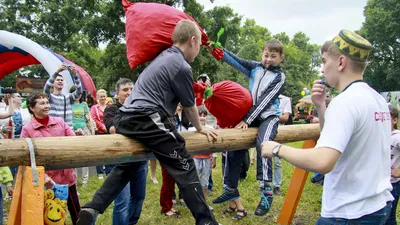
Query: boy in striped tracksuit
x,y
266,84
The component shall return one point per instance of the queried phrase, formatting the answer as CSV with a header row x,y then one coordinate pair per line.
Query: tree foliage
x,y
92,34
382,29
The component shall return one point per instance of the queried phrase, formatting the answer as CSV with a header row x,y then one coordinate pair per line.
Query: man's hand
x,y
79,132
395,172
61,68
210,133
48,182
318,94
242,125
7,128
10,191
266,148
72,69
112,130
210,48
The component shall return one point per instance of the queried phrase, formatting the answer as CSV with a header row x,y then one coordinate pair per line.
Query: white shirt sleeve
x,y
287,107
340,120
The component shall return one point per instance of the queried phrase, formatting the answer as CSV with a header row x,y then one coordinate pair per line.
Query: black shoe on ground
x,y
86,216
227,196
277,191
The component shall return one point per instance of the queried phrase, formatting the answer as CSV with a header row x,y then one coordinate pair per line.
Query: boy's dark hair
x,y
90,100
274,46
394,112
202,109
59,75
31,100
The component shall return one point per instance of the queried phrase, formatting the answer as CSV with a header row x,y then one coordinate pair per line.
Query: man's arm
x,y
193,115
321,160
78,91
283,118
109,113
267,98
52,78
318,96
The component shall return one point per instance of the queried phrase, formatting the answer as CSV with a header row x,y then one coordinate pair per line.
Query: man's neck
x,y
121,102
347,79
182,47
57,92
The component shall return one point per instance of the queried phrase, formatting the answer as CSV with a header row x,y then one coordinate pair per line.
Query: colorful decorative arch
x,y
17,51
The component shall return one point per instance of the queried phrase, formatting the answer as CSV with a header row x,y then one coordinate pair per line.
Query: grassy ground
x,y
307,212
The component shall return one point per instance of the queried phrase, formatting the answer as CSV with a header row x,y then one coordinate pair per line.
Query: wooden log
x,y
72,152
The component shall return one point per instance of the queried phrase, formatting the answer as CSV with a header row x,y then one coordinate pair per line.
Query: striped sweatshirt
x,y
60,101
265,86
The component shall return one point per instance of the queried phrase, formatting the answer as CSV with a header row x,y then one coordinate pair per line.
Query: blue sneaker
x,y
265,203
227,196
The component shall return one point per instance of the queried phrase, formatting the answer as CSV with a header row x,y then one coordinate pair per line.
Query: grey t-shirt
x,y
163,84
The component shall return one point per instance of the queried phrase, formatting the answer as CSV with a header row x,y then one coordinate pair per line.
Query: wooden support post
x,y
27,206
295,190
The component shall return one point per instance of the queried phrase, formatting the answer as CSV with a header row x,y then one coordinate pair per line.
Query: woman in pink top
x,y
97,114
42,125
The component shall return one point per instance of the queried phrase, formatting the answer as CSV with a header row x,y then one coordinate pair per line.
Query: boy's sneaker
x,y
87,216
265,203
228,195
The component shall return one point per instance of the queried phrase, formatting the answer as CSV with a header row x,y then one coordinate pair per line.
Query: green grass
x,y
308,210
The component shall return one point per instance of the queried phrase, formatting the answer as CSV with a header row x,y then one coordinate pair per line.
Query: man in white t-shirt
x,y
285,108
354,147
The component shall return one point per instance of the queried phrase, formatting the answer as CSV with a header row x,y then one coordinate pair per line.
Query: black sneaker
x,y
277,191
227,196
86,216
265,203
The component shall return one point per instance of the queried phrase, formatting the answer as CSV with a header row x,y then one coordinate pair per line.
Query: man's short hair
x,y
31,100
122,81
184,30
274,46
59,75
329,48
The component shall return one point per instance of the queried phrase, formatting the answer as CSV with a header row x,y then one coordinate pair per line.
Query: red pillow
x,y
149,28
229,103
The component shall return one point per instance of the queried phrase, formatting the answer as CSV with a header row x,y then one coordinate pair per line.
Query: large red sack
x,y
229,103
149,28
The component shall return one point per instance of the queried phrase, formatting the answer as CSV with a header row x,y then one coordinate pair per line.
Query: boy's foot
x,y
227,196
277,191
154,180
100,177
87,216
265,203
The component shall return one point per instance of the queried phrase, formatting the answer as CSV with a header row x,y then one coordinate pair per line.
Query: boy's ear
x,y
282,57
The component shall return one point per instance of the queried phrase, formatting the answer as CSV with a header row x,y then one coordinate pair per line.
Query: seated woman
x,y
43,125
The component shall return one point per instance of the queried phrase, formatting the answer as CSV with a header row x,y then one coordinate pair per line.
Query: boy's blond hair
x,y
184,30
101,91
329,48
274,46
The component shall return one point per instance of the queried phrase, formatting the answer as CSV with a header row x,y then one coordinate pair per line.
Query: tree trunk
x,y
72,152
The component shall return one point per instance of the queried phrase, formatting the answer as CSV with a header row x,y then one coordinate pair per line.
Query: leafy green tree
x,y
381,28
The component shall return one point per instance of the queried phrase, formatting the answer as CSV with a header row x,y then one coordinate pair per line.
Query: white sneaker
x,y
100,177
154,180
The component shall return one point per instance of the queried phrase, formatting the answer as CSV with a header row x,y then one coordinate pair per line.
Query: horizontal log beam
x,y
72,152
